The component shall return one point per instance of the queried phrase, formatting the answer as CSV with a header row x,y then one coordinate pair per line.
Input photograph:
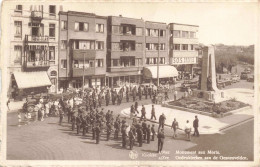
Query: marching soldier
x,y
131,138
143,112
153,113
140,93
153,132
98,130
107,98
117,128
140,136
144,127
99,99
148,133
78,122
109,130
134,94
123,131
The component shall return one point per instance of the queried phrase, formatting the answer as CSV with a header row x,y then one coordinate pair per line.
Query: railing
x,y
37,14
38,64
30,38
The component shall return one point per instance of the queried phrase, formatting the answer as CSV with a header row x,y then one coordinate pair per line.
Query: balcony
x,y
37,64
78,54
78,72
124,69
37,15
37,39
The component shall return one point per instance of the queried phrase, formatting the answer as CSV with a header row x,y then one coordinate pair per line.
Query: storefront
x,y
90,82
123,78
166,73
31,82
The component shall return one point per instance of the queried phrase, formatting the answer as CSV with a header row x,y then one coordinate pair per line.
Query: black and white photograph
x,y
130,83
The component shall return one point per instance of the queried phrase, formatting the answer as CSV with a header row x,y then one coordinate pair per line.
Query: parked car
x,y
189,84
235,78
250,78
243,75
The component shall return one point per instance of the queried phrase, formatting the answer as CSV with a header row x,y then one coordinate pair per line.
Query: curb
x,y
235,124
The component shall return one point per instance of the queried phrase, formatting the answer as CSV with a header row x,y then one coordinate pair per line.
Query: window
x,y
80,26
191,47
52,10
99,45
63,63
127,29
99,27
154,33
176,47
139,31
184,47
18,29
63,44
99,62
176,33
52,53
192,35
19,8
115,46
127,46
162,60
91,63
147,32
138,62
115,62
185,34
76,63
64,25
155,60
127,61
17,54
147,60
162,46
162,33
87,45
52,30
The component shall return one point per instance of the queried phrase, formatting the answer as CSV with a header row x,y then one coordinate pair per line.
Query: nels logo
x,y
133,154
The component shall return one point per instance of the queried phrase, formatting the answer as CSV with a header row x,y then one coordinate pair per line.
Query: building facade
x,y
125,56
33,44
82,49
183,42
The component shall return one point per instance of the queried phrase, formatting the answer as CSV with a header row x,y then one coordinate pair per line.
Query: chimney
x,y
120,15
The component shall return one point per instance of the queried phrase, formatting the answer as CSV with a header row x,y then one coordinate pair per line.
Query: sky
x,y
227,23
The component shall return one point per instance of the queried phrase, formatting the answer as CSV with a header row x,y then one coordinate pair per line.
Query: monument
x,y
208,82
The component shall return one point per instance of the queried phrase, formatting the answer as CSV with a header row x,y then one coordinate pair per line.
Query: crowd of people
x,y
85,114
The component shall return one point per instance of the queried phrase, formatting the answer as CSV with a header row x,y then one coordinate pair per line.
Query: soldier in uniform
x,y
150,91
160,137
140,136
99,100
109,130
78,122
131,138
73,121
153,132
117,128
107,98
144,127
123,131
98,130
143,112
127,94
146,92
134,94
140,93
148,133
153,113
84,124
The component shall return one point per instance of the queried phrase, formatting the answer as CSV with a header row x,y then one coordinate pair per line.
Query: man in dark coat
x,y
140,136
117,129
109,130
146,92
153,113
78,123
140,93
143,112
195,126
123,131
162,119
144,127
160,137
148,133
131,138
127,94
73,121
107,98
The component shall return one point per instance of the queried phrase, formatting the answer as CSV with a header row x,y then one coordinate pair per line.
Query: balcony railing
x,y
37,14
32,38
36,64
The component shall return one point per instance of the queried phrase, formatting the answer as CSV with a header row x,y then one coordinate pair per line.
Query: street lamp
x,y
83,77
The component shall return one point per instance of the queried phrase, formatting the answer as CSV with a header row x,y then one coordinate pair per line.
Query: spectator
x,y
188,130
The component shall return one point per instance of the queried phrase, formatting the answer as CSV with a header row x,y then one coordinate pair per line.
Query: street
x,y
47,140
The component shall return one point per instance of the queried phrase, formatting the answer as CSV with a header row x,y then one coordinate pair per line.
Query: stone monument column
x,y
208,71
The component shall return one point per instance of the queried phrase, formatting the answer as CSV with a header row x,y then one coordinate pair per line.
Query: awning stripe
x,y
166,71
32,79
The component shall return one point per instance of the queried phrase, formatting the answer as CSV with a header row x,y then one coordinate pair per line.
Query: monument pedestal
x,y
212,96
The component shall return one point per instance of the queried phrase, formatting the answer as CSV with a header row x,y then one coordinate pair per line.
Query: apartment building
x,y
82,49
183,42
125,56
33,48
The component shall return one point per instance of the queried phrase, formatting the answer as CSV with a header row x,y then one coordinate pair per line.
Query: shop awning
x,y
31,79
164,72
